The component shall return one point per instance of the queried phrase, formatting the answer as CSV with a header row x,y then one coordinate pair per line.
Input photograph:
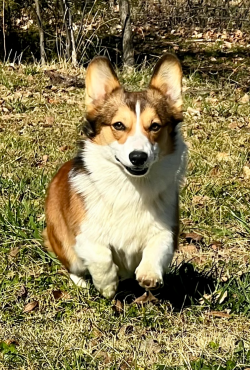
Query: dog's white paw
x,y
79,281
148,278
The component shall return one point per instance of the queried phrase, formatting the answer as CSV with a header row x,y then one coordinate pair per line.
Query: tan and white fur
x,y
112,212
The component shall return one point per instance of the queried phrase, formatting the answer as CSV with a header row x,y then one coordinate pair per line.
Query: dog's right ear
x,y
100,81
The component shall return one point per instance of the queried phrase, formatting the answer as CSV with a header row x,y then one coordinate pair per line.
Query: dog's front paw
x,y
148,278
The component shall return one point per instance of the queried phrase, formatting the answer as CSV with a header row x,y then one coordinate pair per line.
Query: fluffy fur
x,y
110,217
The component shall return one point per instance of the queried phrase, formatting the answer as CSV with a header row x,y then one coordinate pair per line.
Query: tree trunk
x,y
73,44
127,36
65,12
41,32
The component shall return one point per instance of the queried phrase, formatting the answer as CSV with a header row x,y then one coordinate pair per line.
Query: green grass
x,y
71,328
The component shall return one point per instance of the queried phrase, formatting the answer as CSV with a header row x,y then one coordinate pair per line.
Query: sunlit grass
x,y
78,329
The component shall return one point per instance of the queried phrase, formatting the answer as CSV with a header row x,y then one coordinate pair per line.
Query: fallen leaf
x,y
199,260
246,172
45,158
53,101
11,341
215,245
192,237
104,356
14,252
224,296
117,307
200,200
57,294
206,298
215,171
224,278
219,314
64,148
126,330
23,292
150,346
244,99
233,125
146,298
191,248
193,112
228,44
223,156
246,258
49,120
30,306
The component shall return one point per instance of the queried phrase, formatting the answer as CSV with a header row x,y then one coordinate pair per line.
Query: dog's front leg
x,y
99,261
156,258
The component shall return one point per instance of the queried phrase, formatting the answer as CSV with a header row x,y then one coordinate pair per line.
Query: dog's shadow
x,y
183,286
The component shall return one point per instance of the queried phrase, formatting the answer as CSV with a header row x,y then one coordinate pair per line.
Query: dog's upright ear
x,y
100,81
167,77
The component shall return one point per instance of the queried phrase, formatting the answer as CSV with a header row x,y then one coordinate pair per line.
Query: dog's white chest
x,y
123,214
124,219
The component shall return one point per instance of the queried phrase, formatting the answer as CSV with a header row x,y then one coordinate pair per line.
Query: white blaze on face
x,y
138,141
138,113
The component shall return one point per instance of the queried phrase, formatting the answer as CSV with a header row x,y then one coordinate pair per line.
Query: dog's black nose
x,y
138,158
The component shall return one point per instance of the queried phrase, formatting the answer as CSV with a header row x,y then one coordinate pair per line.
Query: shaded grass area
x,y
202,318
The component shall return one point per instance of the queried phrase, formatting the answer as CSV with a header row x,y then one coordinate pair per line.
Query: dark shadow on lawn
x,y
183,286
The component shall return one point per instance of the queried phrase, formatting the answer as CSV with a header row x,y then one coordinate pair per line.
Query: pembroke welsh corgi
x,y
113,211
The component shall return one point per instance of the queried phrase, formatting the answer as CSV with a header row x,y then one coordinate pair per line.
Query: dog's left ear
x,y
100,80
167,77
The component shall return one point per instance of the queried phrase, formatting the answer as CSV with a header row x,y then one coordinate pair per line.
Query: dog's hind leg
x,y
99,261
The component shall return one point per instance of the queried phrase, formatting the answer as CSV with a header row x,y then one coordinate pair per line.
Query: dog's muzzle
x,y
134,170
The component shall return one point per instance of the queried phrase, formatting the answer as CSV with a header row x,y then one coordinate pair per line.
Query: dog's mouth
x,y
135,171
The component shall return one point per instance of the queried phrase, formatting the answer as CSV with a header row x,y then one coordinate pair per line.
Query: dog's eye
x,y
119,126
155,127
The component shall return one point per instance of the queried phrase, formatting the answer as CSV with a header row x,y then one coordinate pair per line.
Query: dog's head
x,y
137,127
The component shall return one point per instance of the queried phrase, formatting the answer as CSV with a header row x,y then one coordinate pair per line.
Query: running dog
x,y
112,211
